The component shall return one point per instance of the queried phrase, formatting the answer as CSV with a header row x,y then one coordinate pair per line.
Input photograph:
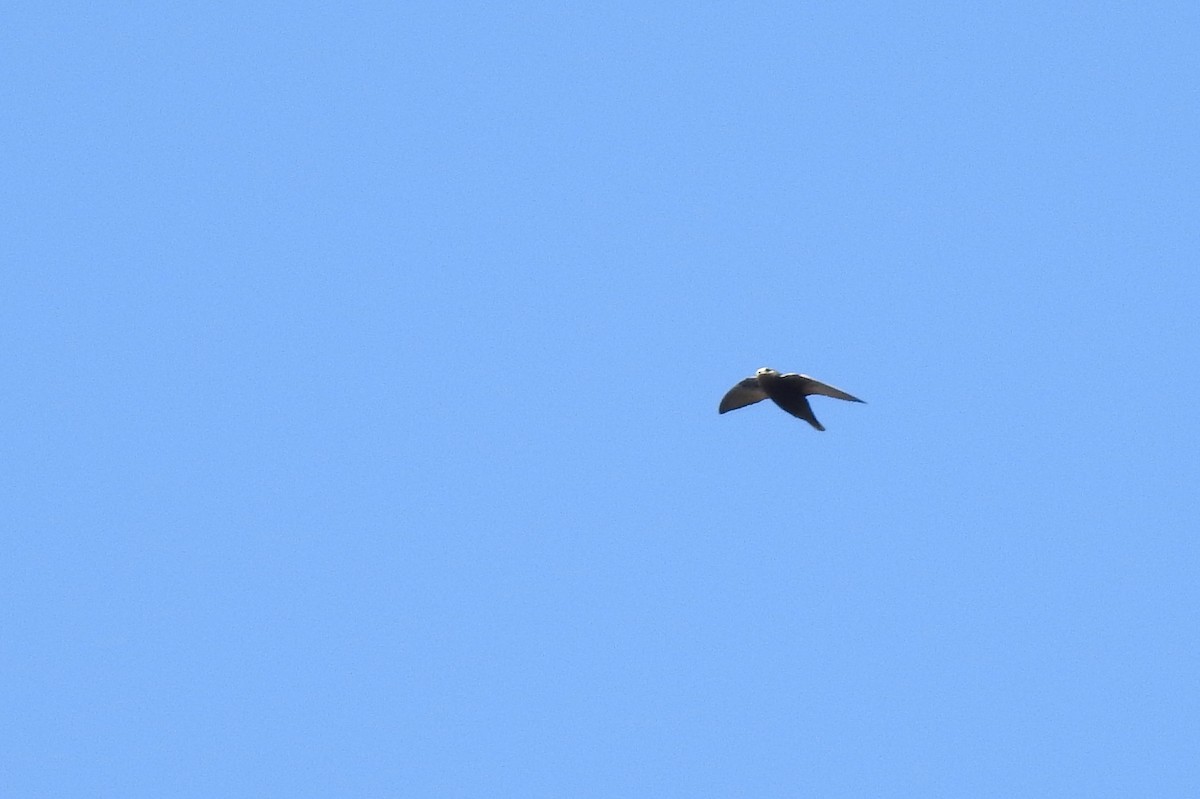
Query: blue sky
x,y
360,379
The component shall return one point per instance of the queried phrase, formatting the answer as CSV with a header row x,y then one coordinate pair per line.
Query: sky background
x,y
360,372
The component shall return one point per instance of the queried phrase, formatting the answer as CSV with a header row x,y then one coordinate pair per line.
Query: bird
x,y
789,391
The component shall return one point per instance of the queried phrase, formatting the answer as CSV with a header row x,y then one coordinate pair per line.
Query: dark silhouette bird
x,y
789,391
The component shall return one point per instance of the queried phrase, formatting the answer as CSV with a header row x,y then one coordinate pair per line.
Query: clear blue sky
x,y
360,371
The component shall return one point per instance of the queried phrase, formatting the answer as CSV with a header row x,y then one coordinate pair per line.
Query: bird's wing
x,y
744,393
807,385
789,396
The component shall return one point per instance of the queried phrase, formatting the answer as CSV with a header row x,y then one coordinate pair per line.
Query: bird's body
x,y
788,391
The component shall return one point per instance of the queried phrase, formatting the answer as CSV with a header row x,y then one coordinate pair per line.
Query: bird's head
x,y
765,371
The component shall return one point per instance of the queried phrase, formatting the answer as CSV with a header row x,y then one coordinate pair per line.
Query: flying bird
x,y
789,391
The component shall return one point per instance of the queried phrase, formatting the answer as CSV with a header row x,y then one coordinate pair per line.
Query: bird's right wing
x,y
744,393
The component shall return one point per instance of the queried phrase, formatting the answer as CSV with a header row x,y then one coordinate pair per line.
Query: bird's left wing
x,y
808,385
744,393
